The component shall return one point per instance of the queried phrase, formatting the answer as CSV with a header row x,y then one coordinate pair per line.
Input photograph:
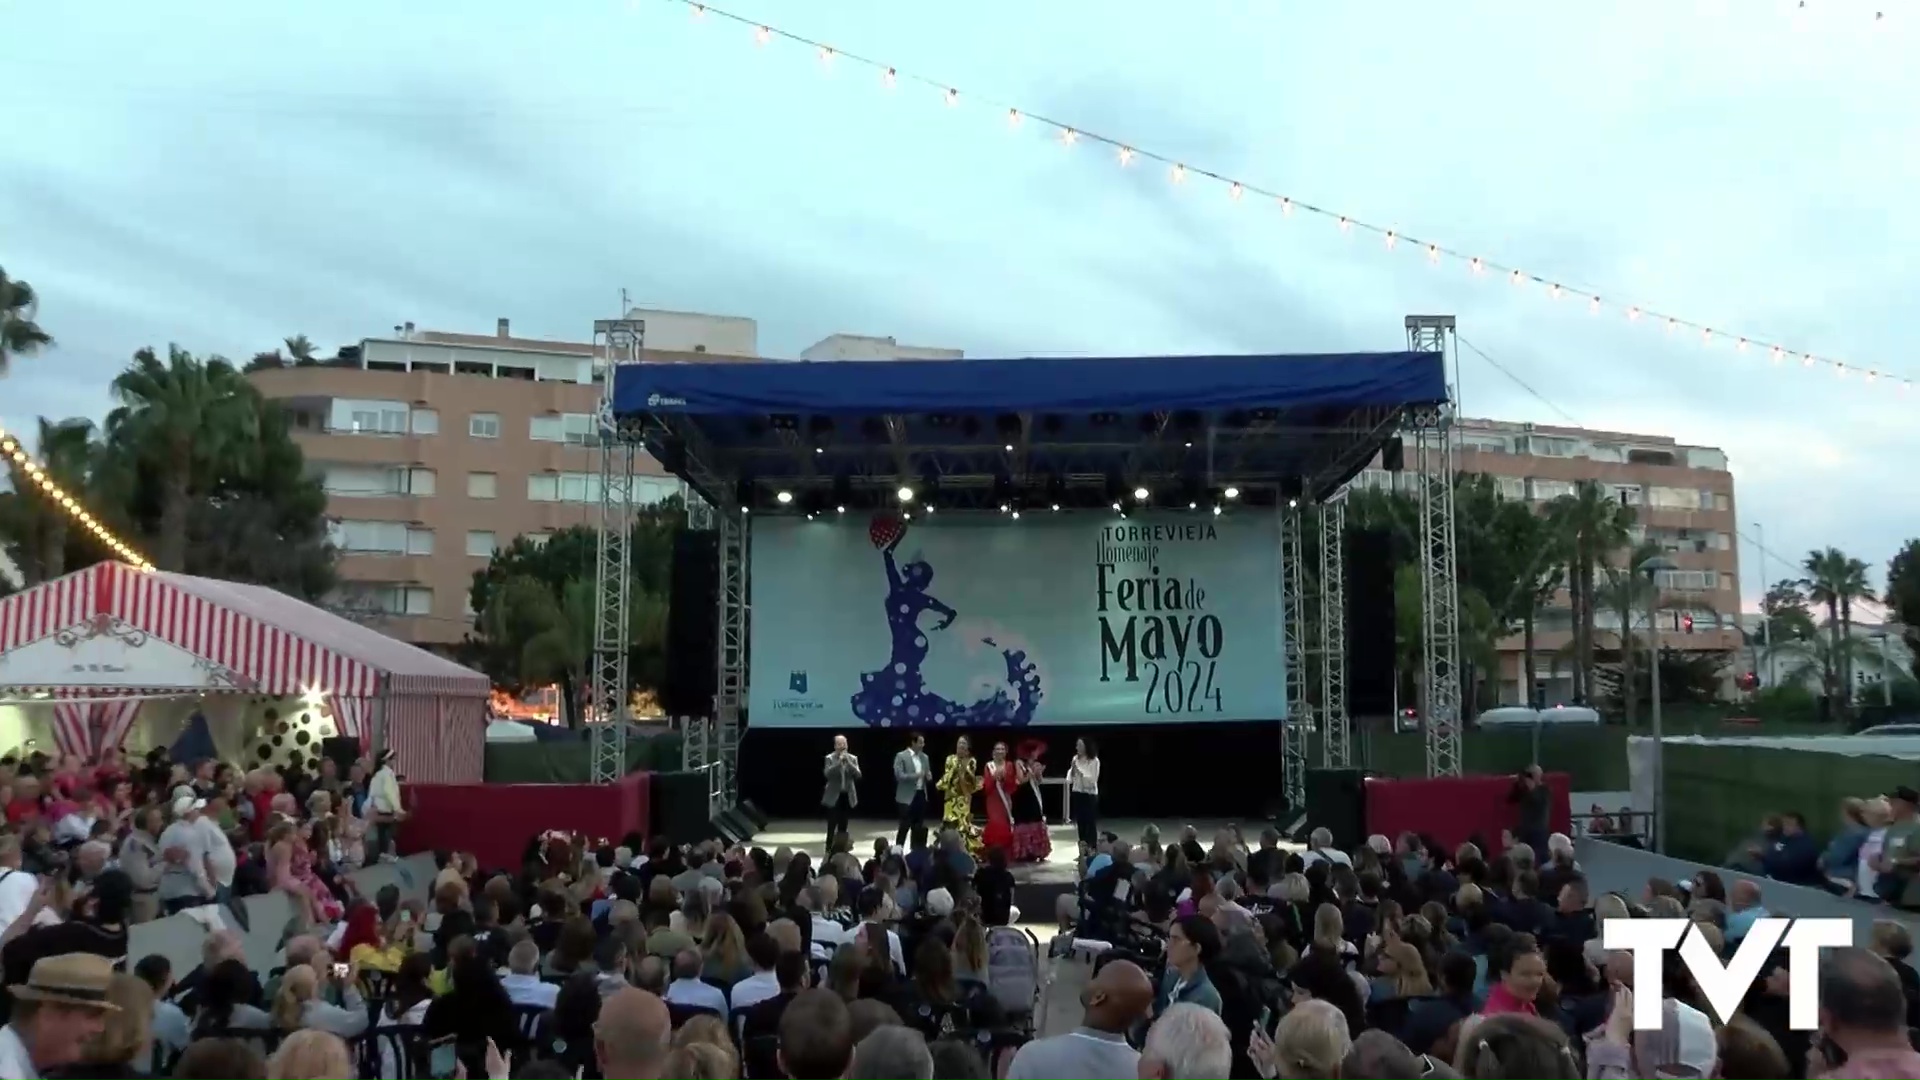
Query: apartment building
x,y
437,449
1683,499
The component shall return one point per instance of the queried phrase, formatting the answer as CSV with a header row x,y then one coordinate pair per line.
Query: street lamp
x,y
1652,567
1886,675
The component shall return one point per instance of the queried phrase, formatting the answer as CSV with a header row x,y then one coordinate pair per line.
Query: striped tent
x,y
100,640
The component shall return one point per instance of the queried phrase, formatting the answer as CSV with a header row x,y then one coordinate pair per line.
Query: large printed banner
x,y
1051,619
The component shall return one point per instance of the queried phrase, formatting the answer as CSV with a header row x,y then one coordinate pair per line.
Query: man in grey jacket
x,y
910,774
842,795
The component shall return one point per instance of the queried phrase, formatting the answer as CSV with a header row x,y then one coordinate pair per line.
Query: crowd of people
x,y
1401,959
647,959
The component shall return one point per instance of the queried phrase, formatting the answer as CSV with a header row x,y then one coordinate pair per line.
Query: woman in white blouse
x,y
1083,780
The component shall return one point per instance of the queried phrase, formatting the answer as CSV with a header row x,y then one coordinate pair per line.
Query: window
x,y
419,482
426,422
389,599
375,481
484,425
1686,580
482,485
1627,494
570,487
648,490
1667,498
1511,488
1548,490
480,543
381,538
574,429
370,537
378,421
537,539
1542,446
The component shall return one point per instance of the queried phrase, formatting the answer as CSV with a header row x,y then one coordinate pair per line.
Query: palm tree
x,y
185,421
36,527
1594,525
1816,655
1628,594
19,334
1836,579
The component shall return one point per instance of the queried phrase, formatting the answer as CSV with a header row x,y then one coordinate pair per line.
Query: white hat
x,y
186,804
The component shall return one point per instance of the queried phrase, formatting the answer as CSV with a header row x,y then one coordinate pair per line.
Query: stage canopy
x,y
99,641
1080,431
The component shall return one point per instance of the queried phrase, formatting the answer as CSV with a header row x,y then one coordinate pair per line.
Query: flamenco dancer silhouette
x,y
897,696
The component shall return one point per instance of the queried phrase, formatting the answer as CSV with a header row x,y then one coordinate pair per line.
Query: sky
x,y
225,174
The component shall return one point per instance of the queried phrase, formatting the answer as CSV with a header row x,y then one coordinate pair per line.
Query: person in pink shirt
x,y
1520,970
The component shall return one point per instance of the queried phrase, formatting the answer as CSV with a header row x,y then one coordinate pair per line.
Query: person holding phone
x,y
842,793
1083,788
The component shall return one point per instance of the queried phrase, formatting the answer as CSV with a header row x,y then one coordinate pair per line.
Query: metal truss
x,y
730,697
1296,730
1336,730
621,340
1439,577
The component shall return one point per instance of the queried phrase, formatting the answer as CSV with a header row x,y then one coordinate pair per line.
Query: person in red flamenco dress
x,y
1000,781
1031,843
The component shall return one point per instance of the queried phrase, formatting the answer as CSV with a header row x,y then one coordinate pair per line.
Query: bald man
x,y
1116,999
631,1036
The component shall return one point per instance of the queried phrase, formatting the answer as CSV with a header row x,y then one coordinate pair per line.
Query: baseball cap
x,y
1905,794
186,804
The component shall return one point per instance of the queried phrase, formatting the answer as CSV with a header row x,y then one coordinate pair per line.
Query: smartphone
x,y
440,1059
339,971
1266,1020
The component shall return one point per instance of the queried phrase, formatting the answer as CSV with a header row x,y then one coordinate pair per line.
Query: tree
x,y
1903,597
1594,526
1836,580
19,334
36,531
298,353
1786,612
210,479
183,423
537,607
1626,593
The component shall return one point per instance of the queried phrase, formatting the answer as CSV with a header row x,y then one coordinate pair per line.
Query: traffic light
x,y
1686,624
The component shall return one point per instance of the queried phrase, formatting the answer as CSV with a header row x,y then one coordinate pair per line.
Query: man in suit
x,y
841,796
910,775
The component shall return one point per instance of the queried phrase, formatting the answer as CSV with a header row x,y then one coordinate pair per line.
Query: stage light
x,y
1056,508
809,517
839,509
905,494
1016,515
1004,508
819,449
1116,506
1193,506
1140,494
1293,504
783,497
1216,509
1232,493
1008,448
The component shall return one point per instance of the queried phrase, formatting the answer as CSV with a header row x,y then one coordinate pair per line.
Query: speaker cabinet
x,y
679,804
752,814
1337,802
693,601
1371,623
733,826
341,750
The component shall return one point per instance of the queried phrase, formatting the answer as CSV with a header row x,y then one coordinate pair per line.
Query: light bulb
x,y
1232,493
905,494
783,498
1216,509
839,509
1140,494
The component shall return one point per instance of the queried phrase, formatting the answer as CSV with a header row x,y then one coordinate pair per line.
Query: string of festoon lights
x,y
1130,154
12,450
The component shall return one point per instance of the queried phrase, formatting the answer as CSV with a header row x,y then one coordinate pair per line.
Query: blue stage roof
x,y
1056,429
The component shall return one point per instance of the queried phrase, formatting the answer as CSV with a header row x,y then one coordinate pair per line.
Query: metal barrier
x,y
1622,825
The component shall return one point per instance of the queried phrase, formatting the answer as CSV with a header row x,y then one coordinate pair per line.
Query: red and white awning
x,y
112,631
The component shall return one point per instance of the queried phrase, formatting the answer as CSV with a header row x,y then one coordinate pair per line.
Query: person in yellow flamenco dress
x,y
959,780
